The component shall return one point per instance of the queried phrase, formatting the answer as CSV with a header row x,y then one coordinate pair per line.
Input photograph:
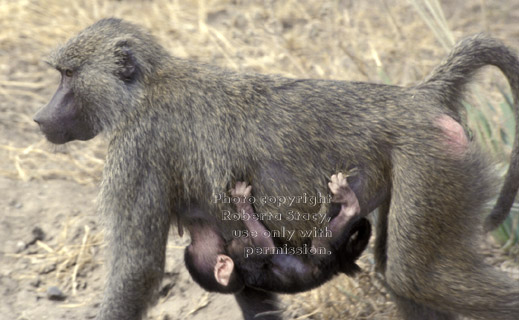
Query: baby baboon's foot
x,y
339,187
343,194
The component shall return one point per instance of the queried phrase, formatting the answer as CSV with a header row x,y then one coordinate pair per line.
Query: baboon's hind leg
x,y
433,264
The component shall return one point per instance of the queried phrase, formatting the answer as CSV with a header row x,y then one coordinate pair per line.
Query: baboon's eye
x,y
69,73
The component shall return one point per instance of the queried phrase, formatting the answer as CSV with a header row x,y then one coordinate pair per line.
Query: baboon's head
x,y
103,70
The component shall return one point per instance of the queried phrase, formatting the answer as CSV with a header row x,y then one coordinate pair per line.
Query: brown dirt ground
x,y
54,189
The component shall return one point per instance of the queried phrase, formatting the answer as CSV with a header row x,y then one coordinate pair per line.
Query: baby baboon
x,y
254,261
180,131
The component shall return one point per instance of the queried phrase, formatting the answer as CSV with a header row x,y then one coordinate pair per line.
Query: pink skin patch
x,y
455,138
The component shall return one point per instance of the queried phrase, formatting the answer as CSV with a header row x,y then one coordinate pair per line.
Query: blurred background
x,y
51,254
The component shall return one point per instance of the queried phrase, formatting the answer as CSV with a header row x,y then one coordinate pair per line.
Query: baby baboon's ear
x,y
223,269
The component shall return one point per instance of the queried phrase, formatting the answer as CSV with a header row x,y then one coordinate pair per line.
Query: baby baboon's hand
x,y
241,190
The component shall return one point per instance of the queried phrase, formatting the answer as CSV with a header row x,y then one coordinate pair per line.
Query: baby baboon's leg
x,y
342,194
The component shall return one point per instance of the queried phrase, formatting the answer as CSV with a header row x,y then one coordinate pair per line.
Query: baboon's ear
x,y
223,269
127,61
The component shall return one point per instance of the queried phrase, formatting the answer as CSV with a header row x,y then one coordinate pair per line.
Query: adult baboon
x,y
180,131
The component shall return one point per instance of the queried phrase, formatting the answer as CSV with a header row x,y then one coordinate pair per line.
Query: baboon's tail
x,y
450,78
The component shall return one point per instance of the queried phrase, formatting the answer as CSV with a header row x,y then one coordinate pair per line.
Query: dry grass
x,y
361,297
64,261
396,42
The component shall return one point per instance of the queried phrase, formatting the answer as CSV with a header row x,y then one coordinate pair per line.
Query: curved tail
x,y
450,78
